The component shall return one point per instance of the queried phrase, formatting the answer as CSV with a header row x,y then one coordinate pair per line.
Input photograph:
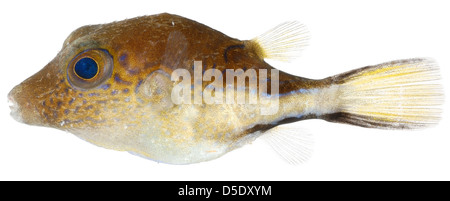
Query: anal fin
x,y
292,144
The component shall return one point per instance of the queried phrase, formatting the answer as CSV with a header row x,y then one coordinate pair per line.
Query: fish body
x,y
112,85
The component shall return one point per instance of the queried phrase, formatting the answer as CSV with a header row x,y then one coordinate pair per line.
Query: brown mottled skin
x,y
138,46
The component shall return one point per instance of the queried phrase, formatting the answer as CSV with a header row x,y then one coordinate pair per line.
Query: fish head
x,y
57,93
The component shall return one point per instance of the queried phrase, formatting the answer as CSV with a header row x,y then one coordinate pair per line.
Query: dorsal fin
x,y
284,42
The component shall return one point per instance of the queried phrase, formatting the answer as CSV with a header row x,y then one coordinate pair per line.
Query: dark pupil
x,y
86,68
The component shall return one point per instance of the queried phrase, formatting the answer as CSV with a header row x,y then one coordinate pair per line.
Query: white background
x,y
344,35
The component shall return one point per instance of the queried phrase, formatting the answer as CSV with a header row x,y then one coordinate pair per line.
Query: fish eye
x,y
90,68
86,68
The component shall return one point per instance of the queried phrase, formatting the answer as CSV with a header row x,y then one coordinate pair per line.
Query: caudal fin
x,y
398,94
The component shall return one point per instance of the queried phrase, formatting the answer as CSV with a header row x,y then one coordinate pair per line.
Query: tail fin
x,y
398,94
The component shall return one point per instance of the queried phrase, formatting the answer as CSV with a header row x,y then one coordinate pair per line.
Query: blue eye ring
x,y
86,68
90,68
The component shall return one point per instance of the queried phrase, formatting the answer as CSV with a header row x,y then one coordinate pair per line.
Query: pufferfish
x,y
112,85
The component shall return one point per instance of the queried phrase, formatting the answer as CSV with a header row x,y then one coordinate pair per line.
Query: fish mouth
x,y
14,107
22,106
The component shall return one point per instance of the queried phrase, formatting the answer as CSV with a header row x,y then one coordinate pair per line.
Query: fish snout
x,y
22,109
13,106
